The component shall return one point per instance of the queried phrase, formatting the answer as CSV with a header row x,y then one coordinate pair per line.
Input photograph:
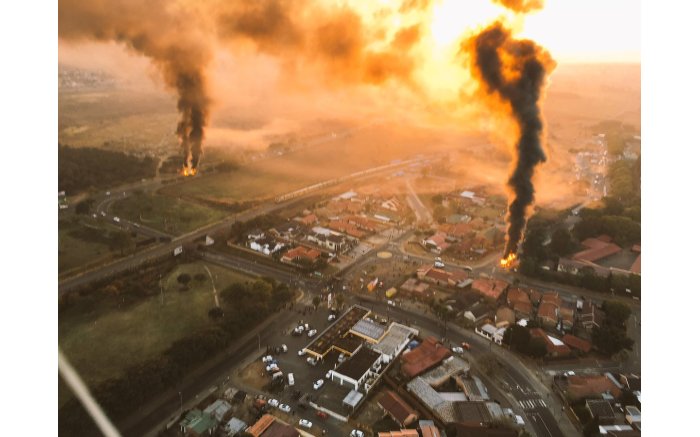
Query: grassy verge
x,y
81,246
172,216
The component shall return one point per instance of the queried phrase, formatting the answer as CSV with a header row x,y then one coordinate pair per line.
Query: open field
x,y
172,216
101,339
80,245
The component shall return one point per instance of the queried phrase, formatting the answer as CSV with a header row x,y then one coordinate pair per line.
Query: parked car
x,y
357,433
286,408
267,358
301,353
322,415
273,402
328,375
284,348
331,317
305,423
466,346
311,361
312,333
318,384
457,350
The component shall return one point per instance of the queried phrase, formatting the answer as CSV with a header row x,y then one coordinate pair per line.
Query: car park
x,y
286,408
318,384
305,423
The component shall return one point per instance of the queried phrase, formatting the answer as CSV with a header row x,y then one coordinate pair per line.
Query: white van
x,y
290,378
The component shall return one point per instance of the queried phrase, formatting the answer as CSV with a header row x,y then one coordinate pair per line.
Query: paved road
x,y
422,213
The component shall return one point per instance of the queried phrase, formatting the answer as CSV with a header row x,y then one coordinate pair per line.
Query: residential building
x,y
591,316
490,288
269,426
197,423
478,312
437,243
555,347
218,410
577,343
424,357
491,332
548,314
397,409
301,254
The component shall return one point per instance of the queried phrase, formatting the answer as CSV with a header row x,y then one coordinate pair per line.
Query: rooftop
x,y
450,367
397,408
491,288
577,343
428,354
396,335
336,335
357,365
601,408
369,330
425,393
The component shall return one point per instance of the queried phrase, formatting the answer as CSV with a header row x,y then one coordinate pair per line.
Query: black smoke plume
x,y
515,72
168,34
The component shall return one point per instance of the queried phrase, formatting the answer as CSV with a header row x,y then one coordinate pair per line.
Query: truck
x,y
290,379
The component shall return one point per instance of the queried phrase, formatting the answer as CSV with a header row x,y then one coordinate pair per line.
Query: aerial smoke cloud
x,y
514,71
166,33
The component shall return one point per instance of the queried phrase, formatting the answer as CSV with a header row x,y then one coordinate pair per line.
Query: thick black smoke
x,y
164,31
515,71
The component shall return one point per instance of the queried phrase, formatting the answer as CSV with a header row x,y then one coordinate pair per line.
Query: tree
x,y
518,337
216,313
532,246
616,313
83,207
537,347
562,242
184,279
122,241
610,339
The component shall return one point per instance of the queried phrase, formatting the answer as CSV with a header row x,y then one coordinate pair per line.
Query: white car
x,y
457,350
318,384
357,433
305,423
331,317
311,361
267,358
284,407
312,333
301,353
273,402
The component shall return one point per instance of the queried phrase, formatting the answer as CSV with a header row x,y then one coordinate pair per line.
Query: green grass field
x,y
80,245
101,340
167,214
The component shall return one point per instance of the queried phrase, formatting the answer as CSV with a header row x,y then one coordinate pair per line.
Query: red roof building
x,y
577,343
591,386
490,288
555,347
397,409
299,253
427,355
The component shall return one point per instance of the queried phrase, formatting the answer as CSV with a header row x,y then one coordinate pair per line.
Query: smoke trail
x,y
167,33
514,71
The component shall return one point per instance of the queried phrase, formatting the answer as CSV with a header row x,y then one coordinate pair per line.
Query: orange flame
x,y
508,261
188,171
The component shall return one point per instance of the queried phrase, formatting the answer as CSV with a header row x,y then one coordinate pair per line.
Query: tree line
x,y
85,168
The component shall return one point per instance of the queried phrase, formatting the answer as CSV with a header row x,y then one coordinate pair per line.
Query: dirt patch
x,y
254,375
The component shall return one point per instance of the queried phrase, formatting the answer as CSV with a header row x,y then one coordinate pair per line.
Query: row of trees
x,y
81,169
244,305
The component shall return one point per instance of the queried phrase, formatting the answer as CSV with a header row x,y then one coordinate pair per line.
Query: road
x,y
422,213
